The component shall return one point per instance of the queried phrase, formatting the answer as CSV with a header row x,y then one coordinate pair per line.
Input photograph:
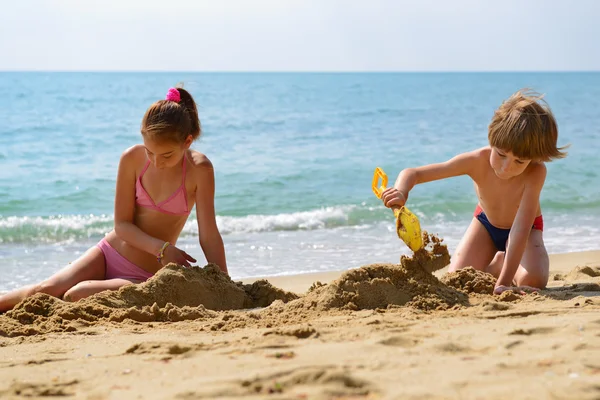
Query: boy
x,y
505,235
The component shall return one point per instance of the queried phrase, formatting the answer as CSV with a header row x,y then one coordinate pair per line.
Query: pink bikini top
x,y
176,204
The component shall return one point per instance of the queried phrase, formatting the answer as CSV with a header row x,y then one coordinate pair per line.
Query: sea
x,y
294,155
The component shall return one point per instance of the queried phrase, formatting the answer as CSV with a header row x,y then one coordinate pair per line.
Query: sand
x,y
379,331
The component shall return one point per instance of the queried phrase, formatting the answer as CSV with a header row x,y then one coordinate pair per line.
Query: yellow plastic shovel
x,y
408,227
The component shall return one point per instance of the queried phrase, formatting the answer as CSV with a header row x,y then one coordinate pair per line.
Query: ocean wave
x,y
50,229
59,228
327,217
15,229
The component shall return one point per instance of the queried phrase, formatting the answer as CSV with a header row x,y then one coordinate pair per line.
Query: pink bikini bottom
x,y
118,266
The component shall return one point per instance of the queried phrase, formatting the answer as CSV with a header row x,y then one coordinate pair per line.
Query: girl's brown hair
x,y
169,120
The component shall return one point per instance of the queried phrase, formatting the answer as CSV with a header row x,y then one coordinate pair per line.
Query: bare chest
x,y
500,199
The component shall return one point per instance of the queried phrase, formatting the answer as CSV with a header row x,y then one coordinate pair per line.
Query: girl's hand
x,y
177,256
393,198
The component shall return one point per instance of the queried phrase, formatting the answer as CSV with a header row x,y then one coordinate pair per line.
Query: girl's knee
x,y
78,292
47,287
84,289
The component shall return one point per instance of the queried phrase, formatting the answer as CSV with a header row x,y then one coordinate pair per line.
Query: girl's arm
x,y
521,228
462,164
125,207
208,232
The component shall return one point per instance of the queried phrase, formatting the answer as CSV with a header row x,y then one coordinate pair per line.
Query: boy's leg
x,y
534,270
476,249
90,265
495,266
535,263
88,288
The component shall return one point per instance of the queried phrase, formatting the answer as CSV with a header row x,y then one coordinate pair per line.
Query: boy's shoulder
x,y
536,172
482,153
477,156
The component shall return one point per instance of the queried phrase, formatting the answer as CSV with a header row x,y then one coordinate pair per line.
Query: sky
x,y
300,35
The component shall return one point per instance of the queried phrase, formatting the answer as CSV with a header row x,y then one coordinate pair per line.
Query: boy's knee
x,y
532,280
457,267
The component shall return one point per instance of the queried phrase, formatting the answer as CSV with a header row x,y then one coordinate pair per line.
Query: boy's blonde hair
x,y
525,126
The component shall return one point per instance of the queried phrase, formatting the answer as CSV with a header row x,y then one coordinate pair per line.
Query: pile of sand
x,y
470,280
205,294
409,283
579,274
173,294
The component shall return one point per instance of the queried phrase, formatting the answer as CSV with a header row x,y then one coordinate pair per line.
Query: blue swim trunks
x,y
499,235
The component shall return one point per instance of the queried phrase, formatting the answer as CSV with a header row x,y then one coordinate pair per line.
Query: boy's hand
x,y
392,198
517,289
501,289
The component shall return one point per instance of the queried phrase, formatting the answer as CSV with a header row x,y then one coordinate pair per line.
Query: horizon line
x,y
300,71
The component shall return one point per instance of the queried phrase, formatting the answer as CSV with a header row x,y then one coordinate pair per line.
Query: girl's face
x,y
506,165
166,154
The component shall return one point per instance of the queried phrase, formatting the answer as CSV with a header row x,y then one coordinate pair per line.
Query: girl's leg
x,y
476,249
90,266
88,288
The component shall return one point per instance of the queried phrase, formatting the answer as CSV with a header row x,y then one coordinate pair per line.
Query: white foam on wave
x,y
53,228
562,233
321,218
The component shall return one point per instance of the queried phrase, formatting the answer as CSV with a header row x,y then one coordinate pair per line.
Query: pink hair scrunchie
x,y
173,95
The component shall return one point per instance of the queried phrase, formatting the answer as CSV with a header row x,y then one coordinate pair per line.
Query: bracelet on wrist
x,y
161,253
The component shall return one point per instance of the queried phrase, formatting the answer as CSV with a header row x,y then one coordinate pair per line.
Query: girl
x,y
158,183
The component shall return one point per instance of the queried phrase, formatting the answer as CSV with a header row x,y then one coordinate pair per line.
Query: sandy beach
x,y
382,331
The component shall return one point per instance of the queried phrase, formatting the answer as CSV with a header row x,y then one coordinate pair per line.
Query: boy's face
x,y
506,165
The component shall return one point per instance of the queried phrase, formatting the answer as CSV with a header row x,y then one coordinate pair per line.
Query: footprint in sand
x,y
53,389
533,331
322,382
171,349
452,348
400,341
494,306
572,290
301,332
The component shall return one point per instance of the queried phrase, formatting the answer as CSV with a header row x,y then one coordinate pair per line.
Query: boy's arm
x,y
462,164
208,232
521,228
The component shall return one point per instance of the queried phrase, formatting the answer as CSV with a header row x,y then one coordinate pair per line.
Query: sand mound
x,y
374,286
205,294
261,293
193,287
579,273
470,280
173,294
583,273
